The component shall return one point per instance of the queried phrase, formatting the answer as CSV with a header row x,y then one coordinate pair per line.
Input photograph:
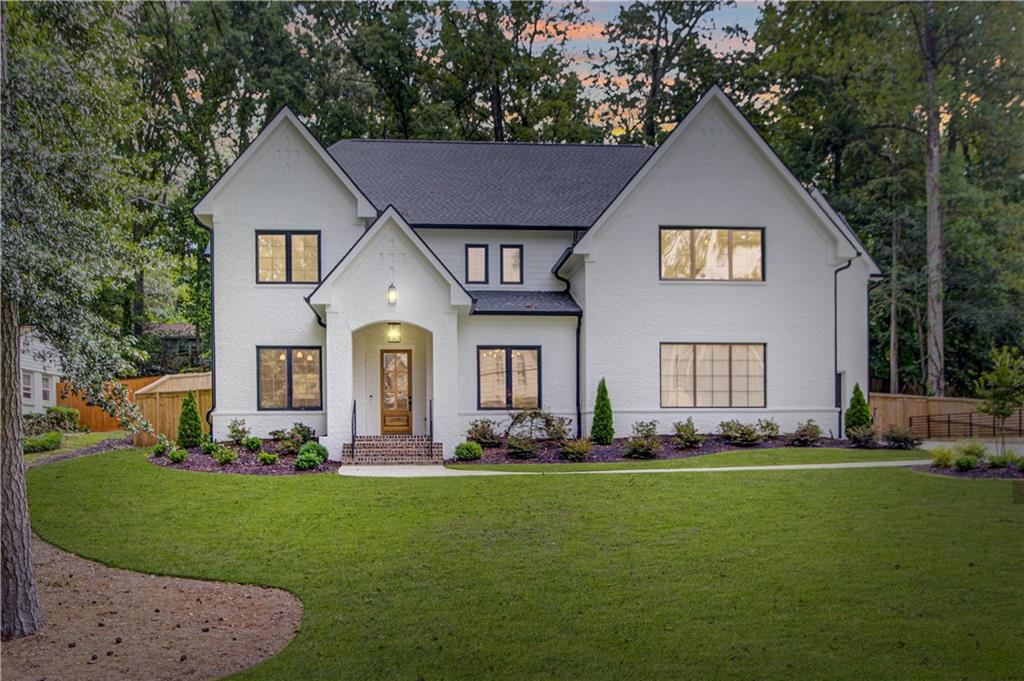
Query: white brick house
x,y
409,287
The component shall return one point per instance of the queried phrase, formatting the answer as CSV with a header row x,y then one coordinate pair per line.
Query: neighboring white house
x,y
405,288
40,372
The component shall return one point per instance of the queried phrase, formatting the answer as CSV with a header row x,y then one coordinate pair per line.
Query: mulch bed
x,y
616,451
102,446
1008,473
247,464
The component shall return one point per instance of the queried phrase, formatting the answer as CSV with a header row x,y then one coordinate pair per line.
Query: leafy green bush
x,y
162,447
603,427
556,427
768,429
253,444
1004,460
740,434
534,424
237,431
863,437
64,418
39,423
807,434
966,463
521,448
190,428
644,444
307,461
943,457
975,448
209,446
728,428
686,436
291,442
858,414
177,455
225,455
267,458
898,437
468,451
47,442
576,450
316,449
484,432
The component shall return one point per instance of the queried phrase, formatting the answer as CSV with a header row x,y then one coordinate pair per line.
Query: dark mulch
x,y
102,446
616,451
247,464
1008,473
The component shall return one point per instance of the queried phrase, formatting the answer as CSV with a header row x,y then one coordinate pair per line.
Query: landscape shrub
x,y
807,434
975,448
39,423
163,446
237,431
225,455
576,450
315,449
535,424
267,458
291,441
898,437
728,428
943,457
177,455
190,428
863,437
468,451
966,462
741,434
64,418
307,461
484,432
521,448
686,436
644,444
209,446
47,442
858,414
556,427
603,427
1004,460
253,444
768,429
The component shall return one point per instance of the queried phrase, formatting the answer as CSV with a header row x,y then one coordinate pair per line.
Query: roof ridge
x,y
599,145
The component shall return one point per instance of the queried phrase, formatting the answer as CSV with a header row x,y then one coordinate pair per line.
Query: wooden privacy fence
x,y
94,418
897,410
160,404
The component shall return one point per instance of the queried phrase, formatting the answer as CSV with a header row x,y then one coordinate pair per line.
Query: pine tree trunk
x,y
936,361
20,608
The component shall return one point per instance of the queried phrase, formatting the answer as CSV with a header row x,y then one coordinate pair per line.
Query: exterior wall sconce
x,y
394,332
392,294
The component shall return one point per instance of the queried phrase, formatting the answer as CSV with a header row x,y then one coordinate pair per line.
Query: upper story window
x,y
287,257
476,263
715,254
26,385
46,389
511,264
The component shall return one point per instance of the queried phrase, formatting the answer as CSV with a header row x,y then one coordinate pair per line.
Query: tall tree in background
x,y
68,196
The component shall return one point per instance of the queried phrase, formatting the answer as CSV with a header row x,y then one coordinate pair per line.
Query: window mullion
x,y
288,375
508,377
288,260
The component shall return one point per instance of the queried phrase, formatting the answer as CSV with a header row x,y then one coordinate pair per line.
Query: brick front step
x,y
376,450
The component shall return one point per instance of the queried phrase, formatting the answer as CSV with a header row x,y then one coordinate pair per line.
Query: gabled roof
x,y
321,294
204,209
844,248
490,184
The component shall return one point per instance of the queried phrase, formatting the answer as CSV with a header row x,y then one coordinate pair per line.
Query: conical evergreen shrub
x,y
190,428
603,429
858,414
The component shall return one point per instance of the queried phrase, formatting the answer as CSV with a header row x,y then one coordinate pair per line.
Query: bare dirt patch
x,y
106,623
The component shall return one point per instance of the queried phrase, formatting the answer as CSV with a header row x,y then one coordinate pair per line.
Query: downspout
x,y
213,333
579,322
835,342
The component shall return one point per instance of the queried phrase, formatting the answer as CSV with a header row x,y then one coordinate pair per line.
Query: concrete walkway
x,y
444,472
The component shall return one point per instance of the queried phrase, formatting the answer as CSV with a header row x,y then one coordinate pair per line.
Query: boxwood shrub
x,y
468,451
314,449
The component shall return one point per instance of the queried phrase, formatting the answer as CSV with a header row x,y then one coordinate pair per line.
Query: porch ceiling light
x,y
392,294
394,332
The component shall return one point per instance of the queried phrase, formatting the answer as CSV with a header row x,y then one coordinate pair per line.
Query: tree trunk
x,y
936,362
21,615
894,314
650,111
497,114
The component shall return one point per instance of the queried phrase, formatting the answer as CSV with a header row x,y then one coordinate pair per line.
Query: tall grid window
x,y
26,385
288,378
712,375
476,263
508,377
45,389
511,264
732,254
287,257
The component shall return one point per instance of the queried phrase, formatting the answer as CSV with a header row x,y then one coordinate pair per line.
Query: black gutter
x,y
213,332
835,342
579,321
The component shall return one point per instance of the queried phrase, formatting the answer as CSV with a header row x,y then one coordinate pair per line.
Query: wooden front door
x,y
395,391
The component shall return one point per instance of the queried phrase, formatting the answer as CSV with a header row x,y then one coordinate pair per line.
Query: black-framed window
x,y
476,264
288,378
508,377
287,257
511,264
711,253
713,375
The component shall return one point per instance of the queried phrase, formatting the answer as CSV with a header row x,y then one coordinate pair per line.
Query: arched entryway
x,y
392,378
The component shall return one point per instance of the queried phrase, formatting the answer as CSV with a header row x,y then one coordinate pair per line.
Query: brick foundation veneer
x,y
391,449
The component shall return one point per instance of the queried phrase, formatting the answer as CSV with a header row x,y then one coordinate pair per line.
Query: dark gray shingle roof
x,y
524,302
488,183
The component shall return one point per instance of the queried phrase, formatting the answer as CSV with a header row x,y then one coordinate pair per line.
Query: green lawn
x,y
737,457
827,574
73,441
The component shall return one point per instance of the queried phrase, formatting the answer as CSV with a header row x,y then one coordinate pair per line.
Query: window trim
x,y
487,263
501,264
45,388
661,377
288,349
730,229
508,376
27,386
287,234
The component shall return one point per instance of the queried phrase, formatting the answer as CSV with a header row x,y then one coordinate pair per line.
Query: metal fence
x,y
966,424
